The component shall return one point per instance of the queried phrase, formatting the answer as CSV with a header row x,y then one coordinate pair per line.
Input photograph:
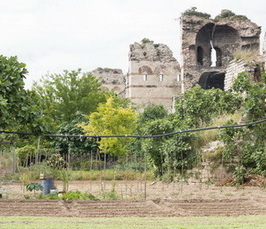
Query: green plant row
x,y
77,195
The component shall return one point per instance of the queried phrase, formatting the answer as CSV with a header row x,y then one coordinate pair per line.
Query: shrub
x,y
56,161
77,195
72,195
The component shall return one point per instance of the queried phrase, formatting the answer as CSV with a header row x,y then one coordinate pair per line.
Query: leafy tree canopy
x,y
64,95
109,119
16,103
151,113
198,106
78,146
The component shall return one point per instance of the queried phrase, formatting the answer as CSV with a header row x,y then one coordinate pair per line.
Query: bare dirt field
x,y
139,198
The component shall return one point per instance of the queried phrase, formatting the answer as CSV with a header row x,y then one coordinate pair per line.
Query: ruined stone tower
x,y
209,53
154,75
209,45
111,79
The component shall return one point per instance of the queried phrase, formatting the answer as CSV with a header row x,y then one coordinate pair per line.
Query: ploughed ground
x,y
139,199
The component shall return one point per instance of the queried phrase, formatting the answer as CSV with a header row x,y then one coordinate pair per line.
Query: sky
x,y
50,36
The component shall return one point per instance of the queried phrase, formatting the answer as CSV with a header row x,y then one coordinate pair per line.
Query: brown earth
x,y
162,200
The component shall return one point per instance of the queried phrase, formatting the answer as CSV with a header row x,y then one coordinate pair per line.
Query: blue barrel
x,y
47,184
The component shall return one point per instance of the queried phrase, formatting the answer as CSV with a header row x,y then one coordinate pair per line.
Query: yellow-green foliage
x,y
111,119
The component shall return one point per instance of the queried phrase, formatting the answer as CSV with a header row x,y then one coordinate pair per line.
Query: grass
x,y
212,135
22,222
246,55
26,174
111,174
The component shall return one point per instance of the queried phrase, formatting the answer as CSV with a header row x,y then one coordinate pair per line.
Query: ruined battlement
x,y
208,50
208,46
154,75
111,79
150,52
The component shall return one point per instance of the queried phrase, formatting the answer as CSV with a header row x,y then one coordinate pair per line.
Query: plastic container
x,y
48,185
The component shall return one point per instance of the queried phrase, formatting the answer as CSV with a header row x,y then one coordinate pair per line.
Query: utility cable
x,y
134,136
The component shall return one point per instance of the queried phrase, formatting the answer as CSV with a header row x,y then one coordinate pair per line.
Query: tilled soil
x,y
162,200
125,208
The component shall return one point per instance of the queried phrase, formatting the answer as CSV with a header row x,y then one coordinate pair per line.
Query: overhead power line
x,y
134,136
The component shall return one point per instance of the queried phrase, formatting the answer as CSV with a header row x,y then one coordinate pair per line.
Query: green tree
x,y
77,146
248,144
169,154
111,118
15,102
64,95
198,106
151,113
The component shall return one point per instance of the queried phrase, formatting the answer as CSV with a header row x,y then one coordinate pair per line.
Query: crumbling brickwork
x,y
201,37
208,48
111,79
154,75
234,68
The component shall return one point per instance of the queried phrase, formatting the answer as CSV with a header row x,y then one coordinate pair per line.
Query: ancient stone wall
x,y
264,51
154,75
205,41
208,49
234,68
111,79
253,68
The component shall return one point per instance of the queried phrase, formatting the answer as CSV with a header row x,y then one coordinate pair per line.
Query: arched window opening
x,y
218,57
210,80
200,54
213,55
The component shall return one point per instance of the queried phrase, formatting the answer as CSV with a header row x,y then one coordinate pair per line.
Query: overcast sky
x,y
55,35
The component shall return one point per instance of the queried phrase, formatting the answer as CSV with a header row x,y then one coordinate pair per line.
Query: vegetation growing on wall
x,y
248,145
246,55
193,12
224,15
229,15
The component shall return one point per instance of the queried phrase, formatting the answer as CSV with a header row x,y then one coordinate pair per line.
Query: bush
x,y
77,195
72,195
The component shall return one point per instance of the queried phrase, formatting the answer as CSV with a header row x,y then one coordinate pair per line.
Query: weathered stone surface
x,y
153,75
201,37
111,79
150,52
